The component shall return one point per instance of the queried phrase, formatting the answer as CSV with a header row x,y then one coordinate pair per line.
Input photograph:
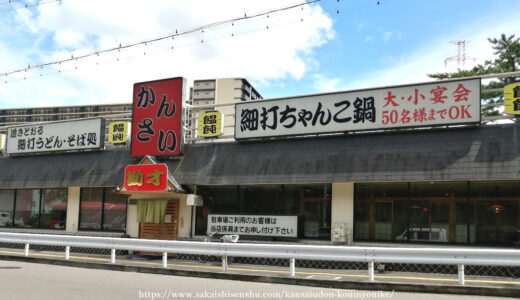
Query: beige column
x,y
132,227
343,206
72,223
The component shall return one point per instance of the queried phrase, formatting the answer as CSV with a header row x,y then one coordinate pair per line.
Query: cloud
x,y
324,84
391,35
261,49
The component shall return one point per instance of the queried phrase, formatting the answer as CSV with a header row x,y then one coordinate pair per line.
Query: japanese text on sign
x,y
118,132
512,99
156,120
446,102
283,226
210,124
146,177
58,136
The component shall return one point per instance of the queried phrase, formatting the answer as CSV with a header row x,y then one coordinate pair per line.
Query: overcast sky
x,y
324,46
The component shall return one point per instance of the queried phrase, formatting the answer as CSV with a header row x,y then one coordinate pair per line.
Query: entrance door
x,y
162,231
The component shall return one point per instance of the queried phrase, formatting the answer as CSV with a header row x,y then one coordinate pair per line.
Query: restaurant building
x,y
405,164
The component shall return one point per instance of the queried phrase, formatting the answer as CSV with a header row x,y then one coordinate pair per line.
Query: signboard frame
x,y
166,125
219,124
100,127
124,133
146,186
510,101
287,220
352,96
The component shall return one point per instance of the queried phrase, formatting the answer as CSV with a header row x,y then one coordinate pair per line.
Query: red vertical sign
x,y
156,119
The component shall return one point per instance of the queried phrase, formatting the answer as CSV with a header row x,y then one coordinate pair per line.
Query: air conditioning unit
x,y
194,200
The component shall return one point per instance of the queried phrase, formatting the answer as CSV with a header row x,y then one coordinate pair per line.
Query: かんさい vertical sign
x,y
156,118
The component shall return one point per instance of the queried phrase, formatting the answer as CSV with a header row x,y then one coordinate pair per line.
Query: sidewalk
x,y
343,279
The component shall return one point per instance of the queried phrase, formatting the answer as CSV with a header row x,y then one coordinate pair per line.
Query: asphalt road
x,y
20,280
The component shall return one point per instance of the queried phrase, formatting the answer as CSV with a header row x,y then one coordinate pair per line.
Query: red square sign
x,y
146,178
156,118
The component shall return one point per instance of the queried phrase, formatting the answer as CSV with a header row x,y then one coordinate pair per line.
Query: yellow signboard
x,y
1,142
210,124
118,132
512,98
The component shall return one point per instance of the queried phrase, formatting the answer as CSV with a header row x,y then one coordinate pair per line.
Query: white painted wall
x,y
343,206
132,227
72,222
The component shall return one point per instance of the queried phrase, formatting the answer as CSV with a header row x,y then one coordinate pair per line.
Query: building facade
x,y
447,185
221,92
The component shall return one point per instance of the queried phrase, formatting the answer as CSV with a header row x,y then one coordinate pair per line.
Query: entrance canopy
x,y
171,184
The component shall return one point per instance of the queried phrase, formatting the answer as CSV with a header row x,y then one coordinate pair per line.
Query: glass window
x,y
497,212
27,212
315,212
90,212
114,215
311,203
6,207
260,199
411,212
54,208
216,199
383,211
102,209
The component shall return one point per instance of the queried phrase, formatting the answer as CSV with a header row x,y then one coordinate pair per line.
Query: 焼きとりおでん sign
x,y
84,134
146,178
156,118
420,105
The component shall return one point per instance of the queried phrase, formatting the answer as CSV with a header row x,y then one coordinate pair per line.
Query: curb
x,y
501,291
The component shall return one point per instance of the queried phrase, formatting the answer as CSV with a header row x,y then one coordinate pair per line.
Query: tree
x,y
507,59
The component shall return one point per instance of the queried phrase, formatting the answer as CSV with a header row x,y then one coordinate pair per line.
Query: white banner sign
x,y
283,226
57,136
420,105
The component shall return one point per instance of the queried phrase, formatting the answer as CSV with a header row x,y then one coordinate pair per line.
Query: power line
x,y
9,2
25,6
160,38
165,49
209,27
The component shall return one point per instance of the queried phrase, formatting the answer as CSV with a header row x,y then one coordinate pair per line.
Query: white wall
x,y
72,223
343,206
132,227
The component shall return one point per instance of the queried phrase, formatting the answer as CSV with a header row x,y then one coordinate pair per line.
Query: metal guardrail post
x,y
292,267
165,260
224,263
67,252
371,271
461,274
26,252
113,256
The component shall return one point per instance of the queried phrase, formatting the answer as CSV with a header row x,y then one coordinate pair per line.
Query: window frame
x,y
102,221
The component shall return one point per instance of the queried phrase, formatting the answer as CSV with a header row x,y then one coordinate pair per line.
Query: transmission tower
x,y
461,54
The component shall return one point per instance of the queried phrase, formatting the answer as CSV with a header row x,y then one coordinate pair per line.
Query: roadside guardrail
x,y
292,252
